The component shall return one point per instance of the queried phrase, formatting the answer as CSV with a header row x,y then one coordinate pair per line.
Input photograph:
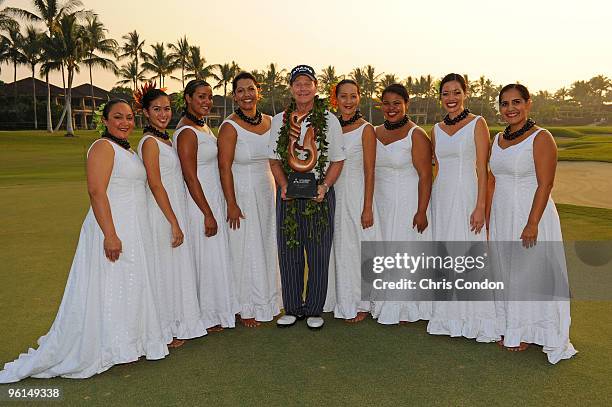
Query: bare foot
x,y
176,343
216,328
360,317
250,322
522,347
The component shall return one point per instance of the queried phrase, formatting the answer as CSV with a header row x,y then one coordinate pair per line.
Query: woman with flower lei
x,y
305,225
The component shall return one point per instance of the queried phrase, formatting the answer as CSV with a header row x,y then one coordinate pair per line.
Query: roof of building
x,y
24,88
84,90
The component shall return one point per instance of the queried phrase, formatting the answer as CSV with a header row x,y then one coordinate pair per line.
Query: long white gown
x,y
544,323
108,314
253,246
453,198
175,273
396,194
218,305
348,233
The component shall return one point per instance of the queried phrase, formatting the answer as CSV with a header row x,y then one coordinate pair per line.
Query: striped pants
x,y
292,260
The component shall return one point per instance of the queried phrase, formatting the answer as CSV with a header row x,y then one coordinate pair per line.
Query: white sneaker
x,y
315,322
286,321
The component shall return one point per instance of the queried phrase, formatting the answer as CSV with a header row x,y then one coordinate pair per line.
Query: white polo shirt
x,y
335,146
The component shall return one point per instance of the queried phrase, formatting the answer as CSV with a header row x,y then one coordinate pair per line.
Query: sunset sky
x,y
543,44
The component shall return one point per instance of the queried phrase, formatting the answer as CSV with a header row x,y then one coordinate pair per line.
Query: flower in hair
x,y
139,93
333,101
97,119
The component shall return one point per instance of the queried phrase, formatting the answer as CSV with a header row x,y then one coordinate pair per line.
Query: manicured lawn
x,y
43,203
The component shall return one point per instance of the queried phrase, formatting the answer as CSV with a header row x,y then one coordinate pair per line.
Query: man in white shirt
x,y
303,84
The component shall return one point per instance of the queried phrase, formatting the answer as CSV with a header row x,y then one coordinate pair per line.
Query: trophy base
x,y
302,185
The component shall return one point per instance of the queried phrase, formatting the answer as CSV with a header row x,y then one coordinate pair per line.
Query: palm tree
x,y
158,62
74,52
132,48
225,76
3,52
95,40
260,76
469,85
410,85
428,91
236,69
130,74
180,56
49,12
580,92
327,79
387,80
358,76
13,42
6,21
371,84
561,95
274,83
486,92
600,87
51,59
31,48
196,65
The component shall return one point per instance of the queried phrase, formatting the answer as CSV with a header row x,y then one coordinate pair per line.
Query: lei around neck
x,y
316,212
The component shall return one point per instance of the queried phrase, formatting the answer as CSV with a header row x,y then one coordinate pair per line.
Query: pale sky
x,y
544,44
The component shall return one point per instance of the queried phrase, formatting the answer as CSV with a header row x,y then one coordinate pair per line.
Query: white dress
x,y
175,272
218,305
545,323
253,246
396,194
108,314
348,233
453,198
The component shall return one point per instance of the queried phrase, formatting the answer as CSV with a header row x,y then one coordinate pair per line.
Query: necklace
x,y
253,121
161,134
193,118
122,142
511,136
451,122
396,125
314,212
350,121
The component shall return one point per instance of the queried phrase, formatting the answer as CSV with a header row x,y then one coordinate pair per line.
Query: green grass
x,y
585,223
44,201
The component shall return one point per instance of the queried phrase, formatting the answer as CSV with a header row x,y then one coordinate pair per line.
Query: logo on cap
x,y
302,70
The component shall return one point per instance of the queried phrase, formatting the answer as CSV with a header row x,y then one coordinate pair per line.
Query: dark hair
x,y
150,96
192,85
453,77
109,105
344,82
522,89
243,75
398,89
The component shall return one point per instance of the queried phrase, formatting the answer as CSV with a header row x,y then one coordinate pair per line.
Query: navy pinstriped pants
x,y
292,260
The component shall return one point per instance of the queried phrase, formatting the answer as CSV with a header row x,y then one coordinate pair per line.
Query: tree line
x,y
60,35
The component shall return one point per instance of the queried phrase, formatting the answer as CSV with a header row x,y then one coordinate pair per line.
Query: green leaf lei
x,y
316,212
